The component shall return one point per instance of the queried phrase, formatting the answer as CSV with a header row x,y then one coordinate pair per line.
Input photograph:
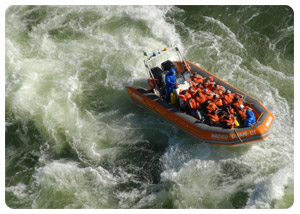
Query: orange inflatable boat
x,y
202,130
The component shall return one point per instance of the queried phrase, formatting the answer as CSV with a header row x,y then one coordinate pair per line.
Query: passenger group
x,y
220,106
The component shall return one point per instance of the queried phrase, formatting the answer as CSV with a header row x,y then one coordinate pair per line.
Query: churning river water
x,y
73,138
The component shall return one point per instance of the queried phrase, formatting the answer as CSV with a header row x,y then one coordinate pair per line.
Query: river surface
x,y
73,138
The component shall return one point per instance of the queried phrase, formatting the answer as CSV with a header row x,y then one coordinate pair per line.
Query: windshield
x,y
156,61
187,75
179,79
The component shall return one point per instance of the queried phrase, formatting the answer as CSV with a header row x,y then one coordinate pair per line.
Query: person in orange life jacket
x,y
209,82
237,102
211,85
228,97
229,110
217,100
213,118
185,94
170,80
208,93
228,120
200,86
183,97
206,83
197,78
242,112
191,82
218,89
192,103
192,106
211,106
193,90
210,79
200,98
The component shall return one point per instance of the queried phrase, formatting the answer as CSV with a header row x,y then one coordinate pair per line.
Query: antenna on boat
x,y
183,61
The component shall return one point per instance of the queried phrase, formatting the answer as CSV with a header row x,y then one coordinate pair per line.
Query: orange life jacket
x,y
203,93
199,89
191,82
188,67
236,104
228,98
208,94
151,83
193,104
197,79
185,97
218,90
218,102
210,78
206,84
214,118
243,114
211,107
229,122
211,86
193,90
200,100
231,110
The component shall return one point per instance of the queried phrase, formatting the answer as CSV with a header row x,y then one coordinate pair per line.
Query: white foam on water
x,y
79,185
270,188
252,17
270,71
50,81
225,29
284,33
47,81
19,190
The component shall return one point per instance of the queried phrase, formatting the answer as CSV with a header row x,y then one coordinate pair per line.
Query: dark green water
x,y
74,139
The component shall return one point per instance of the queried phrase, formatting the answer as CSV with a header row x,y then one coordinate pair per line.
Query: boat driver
x,y
170,79
251,119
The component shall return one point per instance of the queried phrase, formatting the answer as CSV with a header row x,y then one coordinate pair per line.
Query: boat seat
x,y
158,74
167,65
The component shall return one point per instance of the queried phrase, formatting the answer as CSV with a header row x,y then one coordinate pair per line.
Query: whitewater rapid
x,y
80,142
